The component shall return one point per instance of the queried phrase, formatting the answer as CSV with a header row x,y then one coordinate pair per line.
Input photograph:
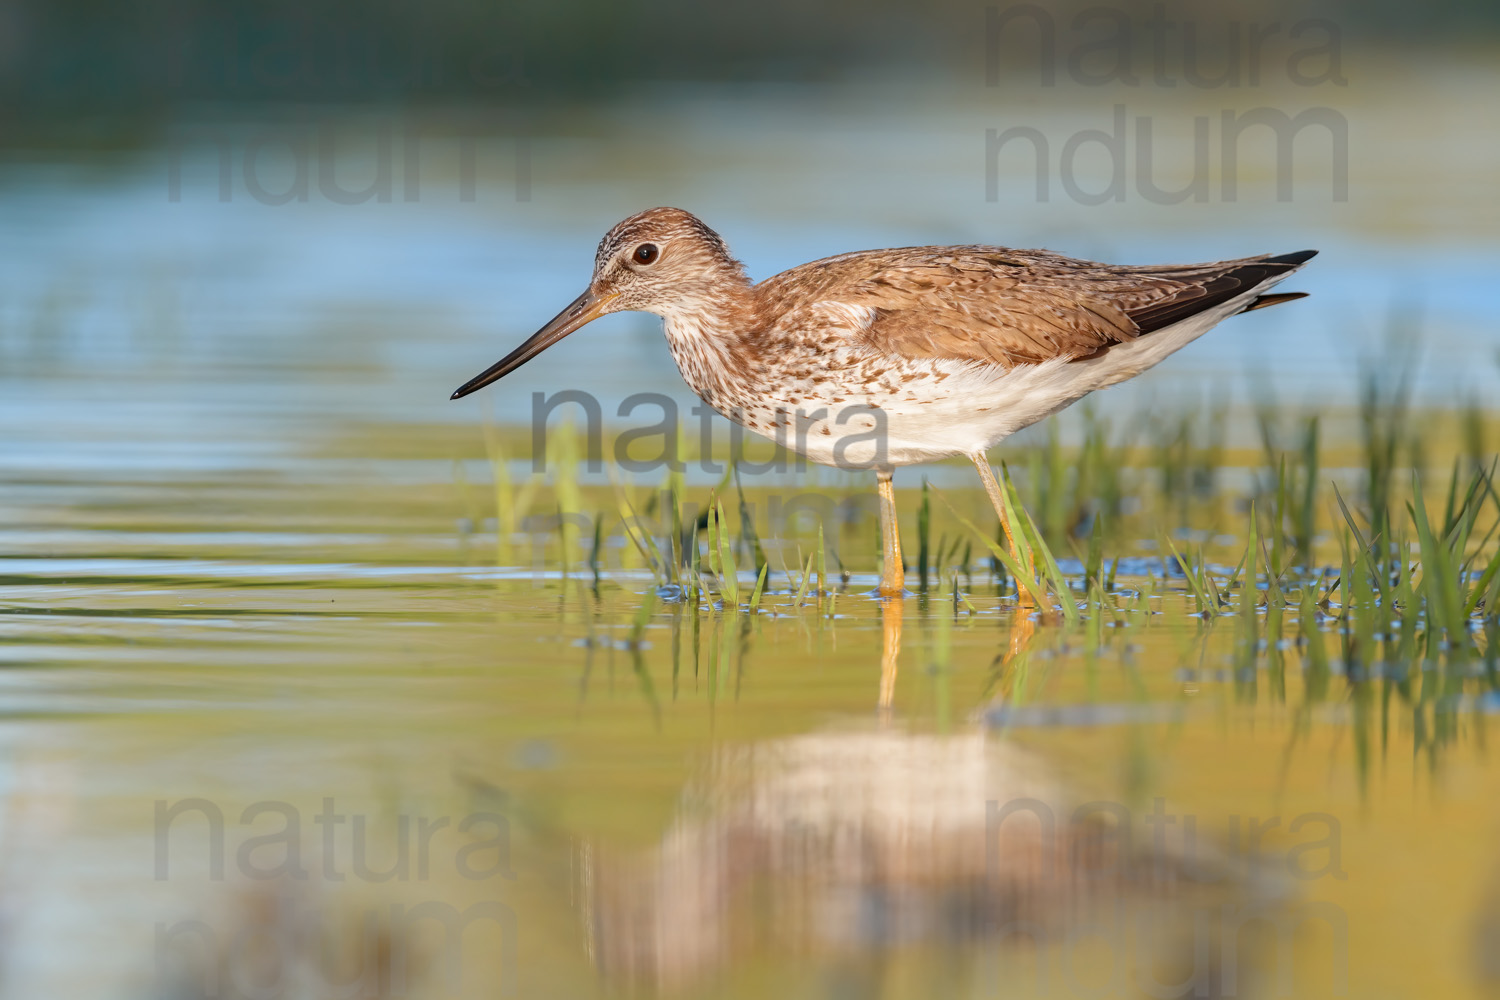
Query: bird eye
x,y
646,253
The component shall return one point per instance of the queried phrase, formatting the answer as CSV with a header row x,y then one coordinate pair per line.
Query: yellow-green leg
x,y
892,573
992,487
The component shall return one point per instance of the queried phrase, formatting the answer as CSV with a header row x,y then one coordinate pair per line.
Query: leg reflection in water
x,y
1010,665
890,627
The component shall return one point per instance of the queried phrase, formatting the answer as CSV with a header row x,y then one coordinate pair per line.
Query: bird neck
x,y
710,332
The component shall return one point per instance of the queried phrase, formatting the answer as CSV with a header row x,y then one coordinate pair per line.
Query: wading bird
x,y
884,358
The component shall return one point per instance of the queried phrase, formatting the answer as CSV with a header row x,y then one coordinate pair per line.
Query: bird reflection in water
x,y
846,848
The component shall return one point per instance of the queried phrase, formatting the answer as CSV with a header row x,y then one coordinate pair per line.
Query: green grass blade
x,y
999,552
729,582
760,589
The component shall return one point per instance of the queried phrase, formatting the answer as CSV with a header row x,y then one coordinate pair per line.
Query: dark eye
x,y
646,253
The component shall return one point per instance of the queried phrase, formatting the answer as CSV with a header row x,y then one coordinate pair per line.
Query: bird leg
x,y
987,476
892,573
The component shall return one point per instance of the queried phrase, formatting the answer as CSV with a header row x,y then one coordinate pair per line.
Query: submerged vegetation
x,y
1180,506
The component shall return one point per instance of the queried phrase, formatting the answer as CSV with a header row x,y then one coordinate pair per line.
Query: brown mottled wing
x,y
1009,307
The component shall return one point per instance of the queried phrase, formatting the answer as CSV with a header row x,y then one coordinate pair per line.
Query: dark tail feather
x,y
1216,283
1276,298
1293,259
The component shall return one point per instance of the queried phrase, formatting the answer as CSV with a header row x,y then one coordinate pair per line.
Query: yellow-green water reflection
x,y
810,800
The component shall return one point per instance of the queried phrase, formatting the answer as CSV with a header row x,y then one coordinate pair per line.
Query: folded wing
x,y
1008,307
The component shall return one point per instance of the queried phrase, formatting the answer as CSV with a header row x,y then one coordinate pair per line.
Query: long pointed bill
x,y
584,309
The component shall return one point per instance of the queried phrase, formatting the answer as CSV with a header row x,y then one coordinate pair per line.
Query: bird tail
x,y
1261,301
1289,262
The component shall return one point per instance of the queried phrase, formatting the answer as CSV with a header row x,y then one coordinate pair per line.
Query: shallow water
x,y
248,577
805,799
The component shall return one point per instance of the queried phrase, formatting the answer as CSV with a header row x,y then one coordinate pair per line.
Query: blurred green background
x,y
111,72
